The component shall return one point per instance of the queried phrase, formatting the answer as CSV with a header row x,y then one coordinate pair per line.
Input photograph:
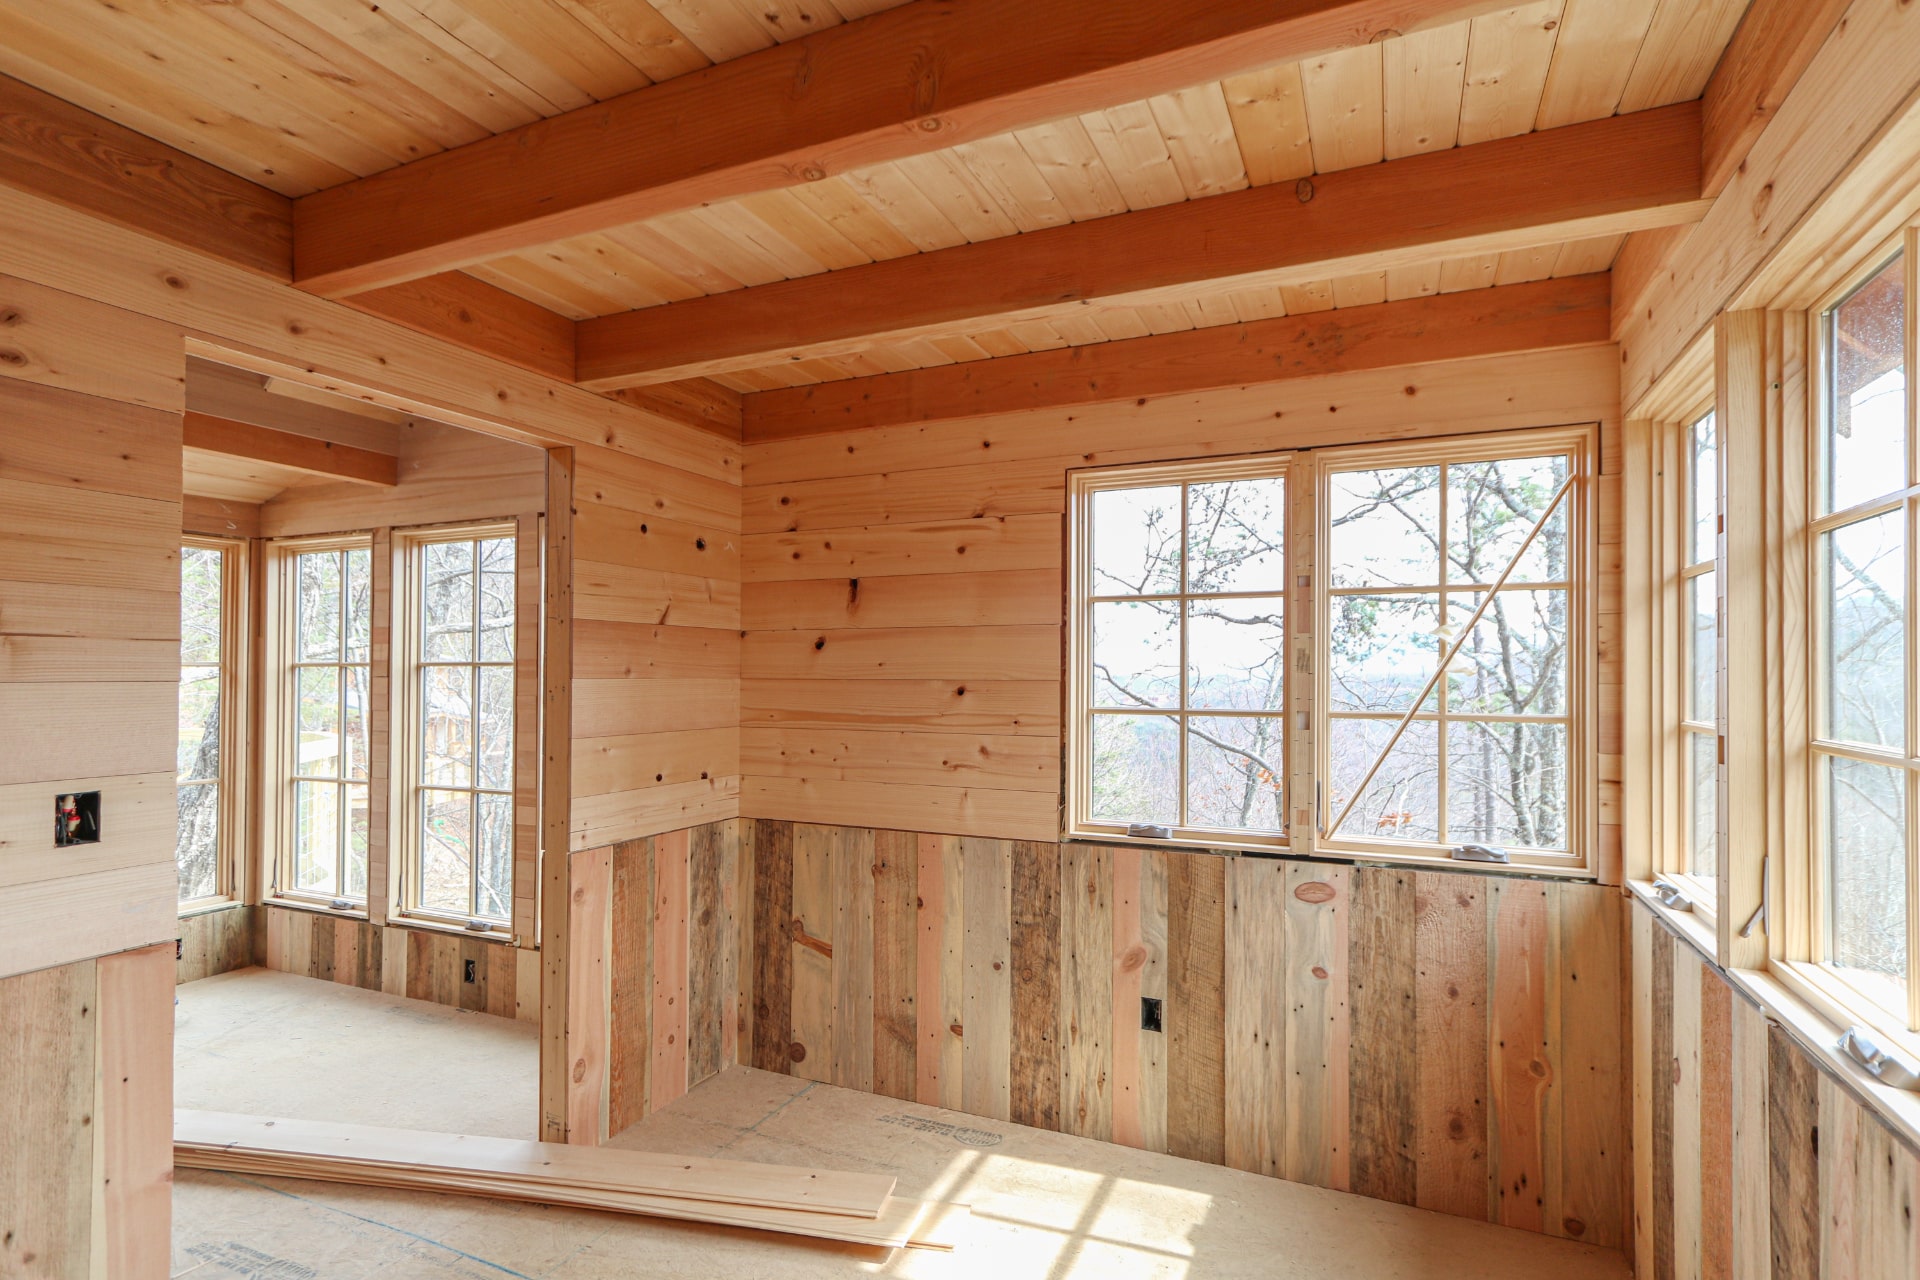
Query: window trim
x,y
280,722
236,686
1307,472
403,774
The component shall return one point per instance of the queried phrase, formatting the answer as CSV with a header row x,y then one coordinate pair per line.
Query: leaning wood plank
x,y
911,1223
920,78
199,1134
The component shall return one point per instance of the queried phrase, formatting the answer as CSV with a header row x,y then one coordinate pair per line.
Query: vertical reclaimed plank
x,y
1592,1061
740,845
1256,1066
1662,1055
47,1077
1752,1226
1716,1126
707,944
393,959
1129,957
1520,1053
667,1074
1317,1028
1450,1029
953,973
1033,1069
895,973
502,972
772,956
1640,1007
1086,990
630,985
812,946
932,1015
988,1005
1844,1217
1153,984
1793,1114
1384,1071
1687,975
850,862
419,964
1196,1007
135,1029
589,922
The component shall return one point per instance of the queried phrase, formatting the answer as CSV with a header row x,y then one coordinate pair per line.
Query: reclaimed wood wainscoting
x,y
1757,1159
1447,1040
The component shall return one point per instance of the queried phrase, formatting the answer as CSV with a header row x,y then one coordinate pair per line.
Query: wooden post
x,y
555,793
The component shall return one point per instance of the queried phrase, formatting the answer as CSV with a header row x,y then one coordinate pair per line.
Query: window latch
x,y
1480,853
1884,1065
1762,914
1671,896
1149,831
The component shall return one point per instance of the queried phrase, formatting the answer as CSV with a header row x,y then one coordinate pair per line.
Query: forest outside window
x,y
1865,764
208,761
458,724
327,591
1375,652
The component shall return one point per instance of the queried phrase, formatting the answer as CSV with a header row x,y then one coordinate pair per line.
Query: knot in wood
x,y
1315,891
1303,190
797,1052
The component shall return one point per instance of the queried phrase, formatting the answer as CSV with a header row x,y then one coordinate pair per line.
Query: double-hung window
x,y
1373,651
1865,759
208,770
1699,647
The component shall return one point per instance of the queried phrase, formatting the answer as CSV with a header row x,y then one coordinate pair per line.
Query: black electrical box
x,y
76,818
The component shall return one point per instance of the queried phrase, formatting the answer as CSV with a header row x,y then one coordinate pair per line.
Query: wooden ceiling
x,y
306,95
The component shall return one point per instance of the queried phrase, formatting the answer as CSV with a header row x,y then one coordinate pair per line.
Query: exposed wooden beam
x,y
1601,178
480,317
698,402
88,163
1773,45
1541,316
285,449
922,77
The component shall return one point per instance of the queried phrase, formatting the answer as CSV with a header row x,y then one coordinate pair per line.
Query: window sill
x,y
427,925
358,912
1695,928
1811,1028
210,907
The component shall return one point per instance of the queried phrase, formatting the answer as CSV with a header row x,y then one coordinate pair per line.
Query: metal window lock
x,y
1480,853
1149,831
1884,1065
1671,896
478,926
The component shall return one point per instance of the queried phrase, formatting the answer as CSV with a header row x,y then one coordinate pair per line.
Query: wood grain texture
x,y
1522,1071
1451,1032
1773,45
630,986
667,1078
1716,1127
986,956
47,1082
1385,1071
1086,990
772,958
135,1029
1256,1019
1526,317
1196,1007
1034,1054
850,882
481,317
896,979
1318,1031
708,942
588,946
810,935
1660,965
1794,1158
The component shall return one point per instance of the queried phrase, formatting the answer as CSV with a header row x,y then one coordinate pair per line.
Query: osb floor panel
x,y
273,1044
1045,1205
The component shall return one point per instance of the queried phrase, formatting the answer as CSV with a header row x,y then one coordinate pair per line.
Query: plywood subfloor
x,y
1045,1205
265,1043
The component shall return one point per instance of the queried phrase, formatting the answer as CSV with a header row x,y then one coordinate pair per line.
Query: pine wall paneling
x,y
220,941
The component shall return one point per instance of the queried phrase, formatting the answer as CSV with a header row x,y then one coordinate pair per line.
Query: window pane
x,y
197,845
358,817
1703,649
1703,804
447,726
496,728
200,596
446,844
1386,527
1136,654
1515,660
1704,538
1136,541
447,592
1235,533
1493,506
1236,774
316,837
1867,870
359,597
317,585
1136,769
1236,654
1866,454
496,600
1383,651
319,735
1866,651
198,754
494,878
1403,800
359,680
1507,785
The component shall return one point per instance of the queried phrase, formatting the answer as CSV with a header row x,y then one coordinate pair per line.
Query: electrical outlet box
x,y
76,818
1150,1019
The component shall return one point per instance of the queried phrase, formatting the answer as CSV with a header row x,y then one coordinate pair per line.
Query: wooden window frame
x,y
1308,473
404,780
279,721
236,689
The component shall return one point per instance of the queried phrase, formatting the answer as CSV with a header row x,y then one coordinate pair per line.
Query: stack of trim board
x,y
859,1208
